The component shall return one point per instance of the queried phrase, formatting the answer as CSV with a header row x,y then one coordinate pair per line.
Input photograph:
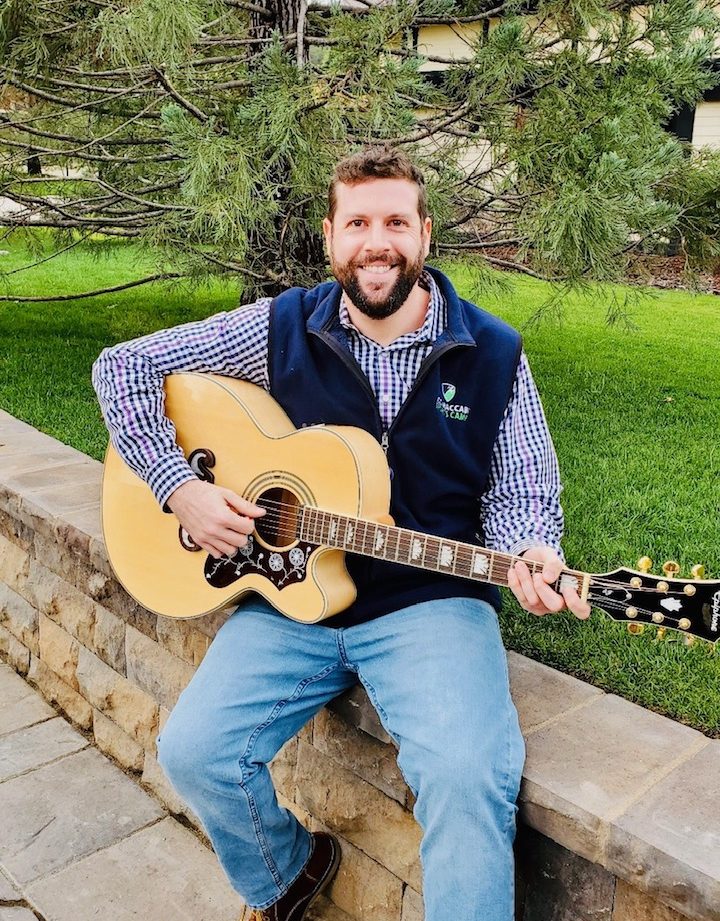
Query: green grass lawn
x,y
635,416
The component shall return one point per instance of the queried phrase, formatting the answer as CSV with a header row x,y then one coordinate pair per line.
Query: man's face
x,y
377,243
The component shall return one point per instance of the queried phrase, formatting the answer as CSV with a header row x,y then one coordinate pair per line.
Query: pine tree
x,y
207,129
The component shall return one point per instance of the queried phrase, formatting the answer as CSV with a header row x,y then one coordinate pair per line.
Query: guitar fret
x,y
401,545
432,552
396,533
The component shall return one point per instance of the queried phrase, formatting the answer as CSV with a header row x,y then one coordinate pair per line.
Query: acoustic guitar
x,y
326,491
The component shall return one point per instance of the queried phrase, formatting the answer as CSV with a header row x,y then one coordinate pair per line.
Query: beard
x,y
376,305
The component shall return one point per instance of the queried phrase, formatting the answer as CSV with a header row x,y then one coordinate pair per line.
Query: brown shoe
x,y
318,872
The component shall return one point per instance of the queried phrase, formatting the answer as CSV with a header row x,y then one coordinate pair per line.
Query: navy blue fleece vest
x,y
439,446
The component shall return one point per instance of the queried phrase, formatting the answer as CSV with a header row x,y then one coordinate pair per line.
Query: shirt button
x,y
385,398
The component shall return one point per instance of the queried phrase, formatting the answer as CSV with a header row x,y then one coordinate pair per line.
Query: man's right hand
x,y
217,519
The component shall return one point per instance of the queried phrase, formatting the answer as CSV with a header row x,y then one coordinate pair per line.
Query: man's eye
x,y
398,223
357,222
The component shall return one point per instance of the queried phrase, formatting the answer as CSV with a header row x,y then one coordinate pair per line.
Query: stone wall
x,y
620,817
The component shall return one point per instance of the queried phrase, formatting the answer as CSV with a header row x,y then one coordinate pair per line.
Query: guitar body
x,y
235,435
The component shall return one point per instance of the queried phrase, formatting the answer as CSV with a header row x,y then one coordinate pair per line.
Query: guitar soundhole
x,y
280,525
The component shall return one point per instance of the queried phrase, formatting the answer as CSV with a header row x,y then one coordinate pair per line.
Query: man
x,y
446,390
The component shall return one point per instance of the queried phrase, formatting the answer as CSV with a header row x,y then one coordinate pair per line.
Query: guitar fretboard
x,y
412,548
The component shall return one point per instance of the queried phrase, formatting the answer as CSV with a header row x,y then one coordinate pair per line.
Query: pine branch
x,y
181,100
165,276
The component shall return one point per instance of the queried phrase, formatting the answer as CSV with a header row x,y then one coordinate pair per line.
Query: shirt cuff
x,y
527,543
164,478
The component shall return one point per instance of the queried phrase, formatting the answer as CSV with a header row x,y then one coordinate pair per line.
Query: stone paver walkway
x,y
82,841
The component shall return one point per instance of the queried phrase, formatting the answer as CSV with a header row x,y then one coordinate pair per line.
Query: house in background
x,y
698,124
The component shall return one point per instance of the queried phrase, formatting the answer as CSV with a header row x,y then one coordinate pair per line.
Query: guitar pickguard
x,y
281,567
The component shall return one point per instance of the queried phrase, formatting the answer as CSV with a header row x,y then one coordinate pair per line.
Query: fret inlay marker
x,y
568,581
333,530
379,540
480,564
349,535
446,555
416,552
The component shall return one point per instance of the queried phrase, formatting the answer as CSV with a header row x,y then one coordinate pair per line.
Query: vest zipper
x,y
353,366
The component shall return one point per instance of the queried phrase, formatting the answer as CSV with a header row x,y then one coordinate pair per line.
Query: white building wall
x,y
706,131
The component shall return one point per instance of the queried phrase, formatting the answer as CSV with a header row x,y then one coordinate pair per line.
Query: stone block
x,y
54,554
19,617
633,905
359,812
110,739
668,841
111,595
14,563
355,708
182,639
161,872
133,710
21,706
8,892
84,474
59,651
64,604
30,748
541,694
15,531
13,652
86,520
59,813
360,753
16,913
54,689
324,910
412,909
282,769
108,639
209,624
585,768
559,885
304,818
362,887
154,669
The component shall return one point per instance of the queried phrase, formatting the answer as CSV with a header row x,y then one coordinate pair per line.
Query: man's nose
x,y
376,240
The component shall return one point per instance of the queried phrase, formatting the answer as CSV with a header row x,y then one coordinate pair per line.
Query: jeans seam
x,y
257,823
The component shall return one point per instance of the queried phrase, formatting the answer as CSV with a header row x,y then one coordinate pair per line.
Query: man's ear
x,y
427,227
327,232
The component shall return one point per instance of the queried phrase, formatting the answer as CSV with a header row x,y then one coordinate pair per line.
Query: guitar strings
x,y
275,521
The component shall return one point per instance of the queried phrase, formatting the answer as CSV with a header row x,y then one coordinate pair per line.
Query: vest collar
x,y
325,315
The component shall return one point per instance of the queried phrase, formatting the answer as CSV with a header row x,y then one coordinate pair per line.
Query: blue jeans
x,y
436,673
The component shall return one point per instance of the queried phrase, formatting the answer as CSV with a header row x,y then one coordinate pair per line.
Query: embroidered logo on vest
x,y
448,409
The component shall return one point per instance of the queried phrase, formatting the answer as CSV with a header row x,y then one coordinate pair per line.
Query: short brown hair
x,y
381,161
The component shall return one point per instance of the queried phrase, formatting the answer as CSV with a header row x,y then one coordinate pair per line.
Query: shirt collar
x,y
433,324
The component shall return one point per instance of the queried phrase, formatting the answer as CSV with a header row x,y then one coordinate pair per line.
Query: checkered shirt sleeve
x,y
128,379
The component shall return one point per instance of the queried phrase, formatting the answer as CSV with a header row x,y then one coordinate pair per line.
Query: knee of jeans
x,y
476,775
189,755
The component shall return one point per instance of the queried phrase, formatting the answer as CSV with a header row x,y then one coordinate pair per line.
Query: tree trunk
x,y
284,15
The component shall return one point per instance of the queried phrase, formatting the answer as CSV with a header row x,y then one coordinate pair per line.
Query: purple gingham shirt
x,y
520,508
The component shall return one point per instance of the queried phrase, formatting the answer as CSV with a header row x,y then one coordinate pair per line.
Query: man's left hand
x,y
534,592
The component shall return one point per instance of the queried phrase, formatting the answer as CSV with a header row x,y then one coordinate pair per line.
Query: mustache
x,y
380,260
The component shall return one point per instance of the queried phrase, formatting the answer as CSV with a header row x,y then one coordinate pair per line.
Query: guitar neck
x,y
423,551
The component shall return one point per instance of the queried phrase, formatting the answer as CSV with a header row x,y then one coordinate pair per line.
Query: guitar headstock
x,y
689,606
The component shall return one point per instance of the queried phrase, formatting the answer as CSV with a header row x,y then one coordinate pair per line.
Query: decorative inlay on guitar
x,y
326,490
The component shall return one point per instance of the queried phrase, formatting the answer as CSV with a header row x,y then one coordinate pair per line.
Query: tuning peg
x,y
689,640
644,564
698,571
671,568
636,629
660,633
